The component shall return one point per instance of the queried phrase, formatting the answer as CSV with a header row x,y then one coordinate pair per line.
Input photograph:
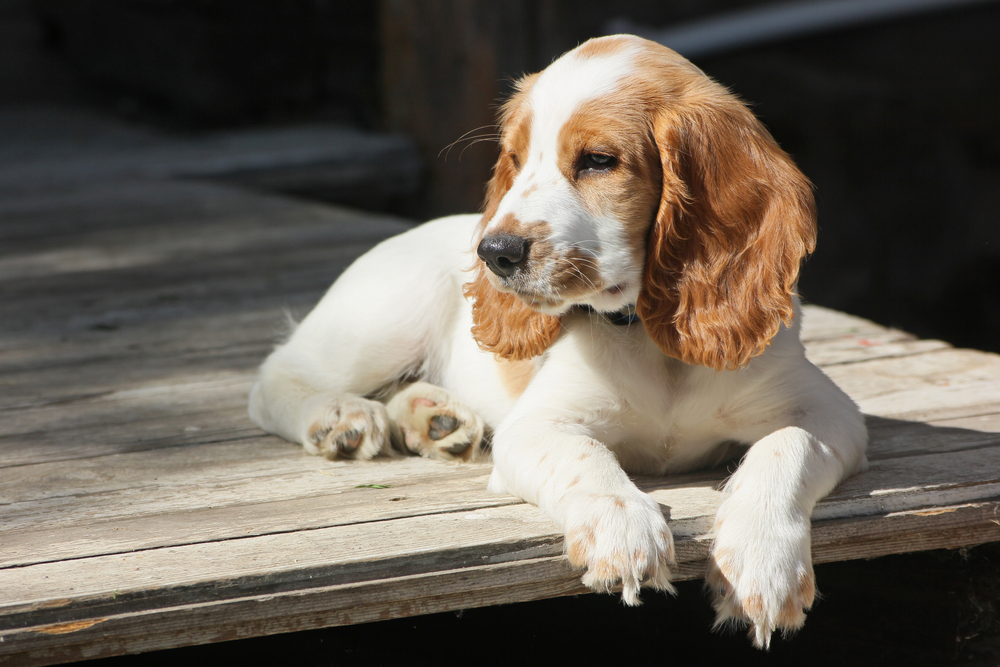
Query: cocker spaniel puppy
x,y
625,304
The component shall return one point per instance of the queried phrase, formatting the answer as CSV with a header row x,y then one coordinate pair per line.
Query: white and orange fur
x,y
627,178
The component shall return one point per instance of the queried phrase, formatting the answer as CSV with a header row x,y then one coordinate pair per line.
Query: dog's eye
x,y
517,163
597,162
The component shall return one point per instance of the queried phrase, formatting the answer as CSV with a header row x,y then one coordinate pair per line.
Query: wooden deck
x,y
140,509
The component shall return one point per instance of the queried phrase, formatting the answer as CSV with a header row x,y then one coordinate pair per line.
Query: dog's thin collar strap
x,y
622,317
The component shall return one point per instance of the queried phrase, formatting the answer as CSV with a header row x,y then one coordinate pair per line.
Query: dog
x,y
625,304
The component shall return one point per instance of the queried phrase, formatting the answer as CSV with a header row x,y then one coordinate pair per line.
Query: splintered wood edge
x,y
479,586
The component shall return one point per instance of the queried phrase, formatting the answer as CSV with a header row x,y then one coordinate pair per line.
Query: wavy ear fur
x,y
502,323
735,220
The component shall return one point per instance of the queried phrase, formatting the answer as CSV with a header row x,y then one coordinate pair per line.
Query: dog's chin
x,y
551,308
544,305
611,301
605,301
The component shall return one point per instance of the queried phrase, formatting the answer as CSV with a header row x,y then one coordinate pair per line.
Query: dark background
x,y
896,122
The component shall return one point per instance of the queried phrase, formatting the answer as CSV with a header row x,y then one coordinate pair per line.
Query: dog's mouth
x,y
538,300
602,299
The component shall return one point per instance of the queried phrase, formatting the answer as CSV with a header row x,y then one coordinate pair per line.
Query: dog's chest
x,y
678,419
662,409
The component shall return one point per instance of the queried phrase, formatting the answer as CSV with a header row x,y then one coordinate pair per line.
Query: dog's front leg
x,y
614,530
761,564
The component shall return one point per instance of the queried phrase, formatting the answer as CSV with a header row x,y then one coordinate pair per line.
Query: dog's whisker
x,y
466,137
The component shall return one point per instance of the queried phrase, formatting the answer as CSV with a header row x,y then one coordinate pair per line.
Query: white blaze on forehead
x,y
568,83
555,96
559,92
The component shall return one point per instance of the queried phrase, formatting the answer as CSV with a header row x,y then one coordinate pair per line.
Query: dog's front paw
x,y
349,427
431,422
760,569
621,540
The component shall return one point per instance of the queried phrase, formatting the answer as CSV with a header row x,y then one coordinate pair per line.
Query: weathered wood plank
x,y
894,438
54,218
142,343
156,298
531,577
140,240
270,563
853,349
173,289
942,384
902,484
971,439
278,491
143,510
115,351
134,358
322,160
273,495
318,607
986,423
832,337
138,353
364,539
819,323
200,409
153,225
94,537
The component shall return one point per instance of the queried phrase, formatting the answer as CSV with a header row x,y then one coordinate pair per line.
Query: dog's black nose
x,y
503,253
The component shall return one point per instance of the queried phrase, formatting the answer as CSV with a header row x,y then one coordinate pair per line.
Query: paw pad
x,y
430,422
350,427
442,426
348,442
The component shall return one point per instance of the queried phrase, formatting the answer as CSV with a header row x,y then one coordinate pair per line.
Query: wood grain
x,y
528,578
141,509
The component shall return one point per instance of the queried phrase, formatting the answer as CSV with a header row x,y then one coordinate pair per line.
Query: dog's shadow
x,y
898,438
911,464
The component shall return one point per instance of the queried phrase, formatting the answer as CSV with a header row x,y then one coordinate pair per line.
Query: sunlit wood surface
x,y
140,509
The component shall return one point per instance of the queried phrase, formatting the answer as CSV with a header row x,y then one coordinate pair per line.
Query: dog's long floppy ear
x,y
735,221
502,323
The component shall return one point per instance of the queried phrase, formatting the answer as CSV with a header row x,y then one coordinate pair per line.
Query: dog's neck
x,y
622,317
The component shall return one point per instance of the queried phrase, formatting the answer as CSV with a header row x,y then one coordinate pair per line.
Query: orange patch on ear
x,y
735,221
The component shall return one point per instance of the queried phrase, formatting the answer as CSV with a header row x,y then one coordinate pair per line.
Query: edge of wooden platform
x,y
525,580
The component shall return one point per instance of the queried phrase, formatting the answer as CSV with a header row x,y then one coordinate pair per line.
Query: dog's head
x,y
626,176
